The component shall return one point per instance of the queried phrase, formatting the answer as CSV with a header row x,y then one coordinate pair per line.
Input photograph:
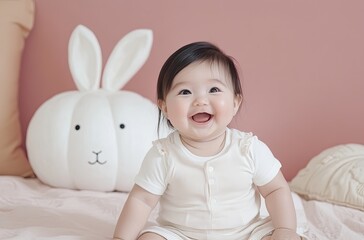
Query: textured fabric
x,y
219,189
16,20
336,175
326,221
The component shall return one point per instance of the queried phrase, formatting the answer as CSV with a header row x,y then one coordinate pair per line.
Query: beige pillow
x,y
336,175
16,20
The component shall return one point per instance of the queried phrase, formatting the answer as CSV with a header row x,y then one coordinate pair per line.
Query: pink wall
x,y
302,61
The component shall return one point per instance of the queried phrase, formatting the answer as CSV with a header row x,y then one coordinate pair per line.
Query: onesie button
x,y
211,169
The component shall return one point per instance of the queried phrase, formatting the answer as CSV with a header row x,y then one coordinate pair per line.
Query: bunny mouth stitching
x,y
97,159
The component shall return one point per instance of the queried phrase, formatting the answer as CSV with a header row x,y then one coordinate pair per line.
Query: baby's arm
x,y
135,213
280,206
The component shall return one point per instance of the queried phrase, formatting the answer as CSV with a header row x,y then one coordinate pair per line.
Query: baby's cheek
x,y
225,108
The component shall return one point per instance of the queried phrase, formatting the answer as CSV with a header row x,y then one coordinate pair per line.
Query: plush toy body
x,y
95,138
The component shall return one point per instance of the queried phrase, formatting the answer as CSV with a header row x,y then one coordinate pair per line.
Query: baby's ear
x,y
162,106
238,99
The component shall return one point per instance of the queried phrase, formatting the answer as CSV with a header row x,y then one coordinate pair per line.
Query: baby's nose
x,y
201,101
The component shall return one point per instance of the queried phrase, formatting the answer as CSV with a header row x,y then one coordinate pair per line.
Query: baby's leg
x,y
150,236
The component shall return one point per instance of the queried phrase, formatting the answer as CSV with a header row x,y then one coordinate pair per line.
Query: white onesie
x,y
209,197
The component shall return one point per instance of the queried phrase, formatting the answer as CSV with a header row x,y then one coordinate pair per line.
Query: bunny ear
x,y
128,56
84,59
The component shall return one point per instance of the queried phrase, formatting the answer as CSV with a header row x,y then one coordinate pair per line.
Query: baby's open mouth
x,y
201,117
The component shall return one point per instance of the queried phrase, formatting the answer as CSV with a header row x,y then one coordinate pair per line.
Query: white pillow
x,y
336,175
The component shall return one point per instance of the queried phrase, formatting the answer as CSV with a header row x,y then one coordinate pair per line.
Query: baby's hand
x,y
285,234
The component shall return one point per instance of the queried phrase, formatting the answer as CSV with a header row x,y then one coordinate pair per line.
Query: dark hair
x,y
194,52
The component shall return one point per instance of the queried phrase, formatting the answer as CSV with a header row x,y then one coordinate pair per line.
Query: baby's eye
x,y
184,92
215,90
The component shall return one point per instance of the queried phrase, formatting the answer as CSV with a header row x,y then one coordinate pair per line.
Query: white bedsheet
x,y
329,221
32,210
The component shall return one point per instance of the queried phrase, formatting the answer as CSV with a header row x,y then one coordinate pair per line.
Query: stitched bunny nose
x,y
97,160
97,154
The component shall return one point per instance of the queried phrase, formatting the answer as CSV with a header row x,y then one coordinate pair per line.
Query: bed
x,y
327,194
30,209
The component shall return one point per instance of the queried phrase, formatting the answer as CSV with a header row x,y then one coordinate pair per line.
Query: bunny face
x,y
93,141
95,138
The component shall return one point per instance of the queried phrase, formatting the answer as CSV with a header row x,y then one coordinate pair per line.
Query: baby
x,y
207,177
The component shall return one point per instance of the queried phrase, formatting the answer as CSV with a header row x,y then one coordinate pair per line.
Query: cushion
x,y
16,20
336,175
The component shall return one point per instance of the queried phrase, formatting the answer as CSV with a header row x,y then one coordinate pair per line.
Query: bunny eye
x,y
77,127
122,125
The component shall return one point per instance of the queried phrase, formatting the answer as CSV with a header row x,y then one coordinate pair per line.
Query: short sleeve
x,y
266,165
153,172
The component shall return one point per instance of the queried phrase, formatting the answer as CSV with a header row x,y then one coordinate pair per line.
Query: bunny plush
x,y
95,138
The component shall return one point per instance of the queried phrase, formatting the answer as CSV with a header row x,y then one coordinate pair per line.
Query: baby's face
x,y
201,102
